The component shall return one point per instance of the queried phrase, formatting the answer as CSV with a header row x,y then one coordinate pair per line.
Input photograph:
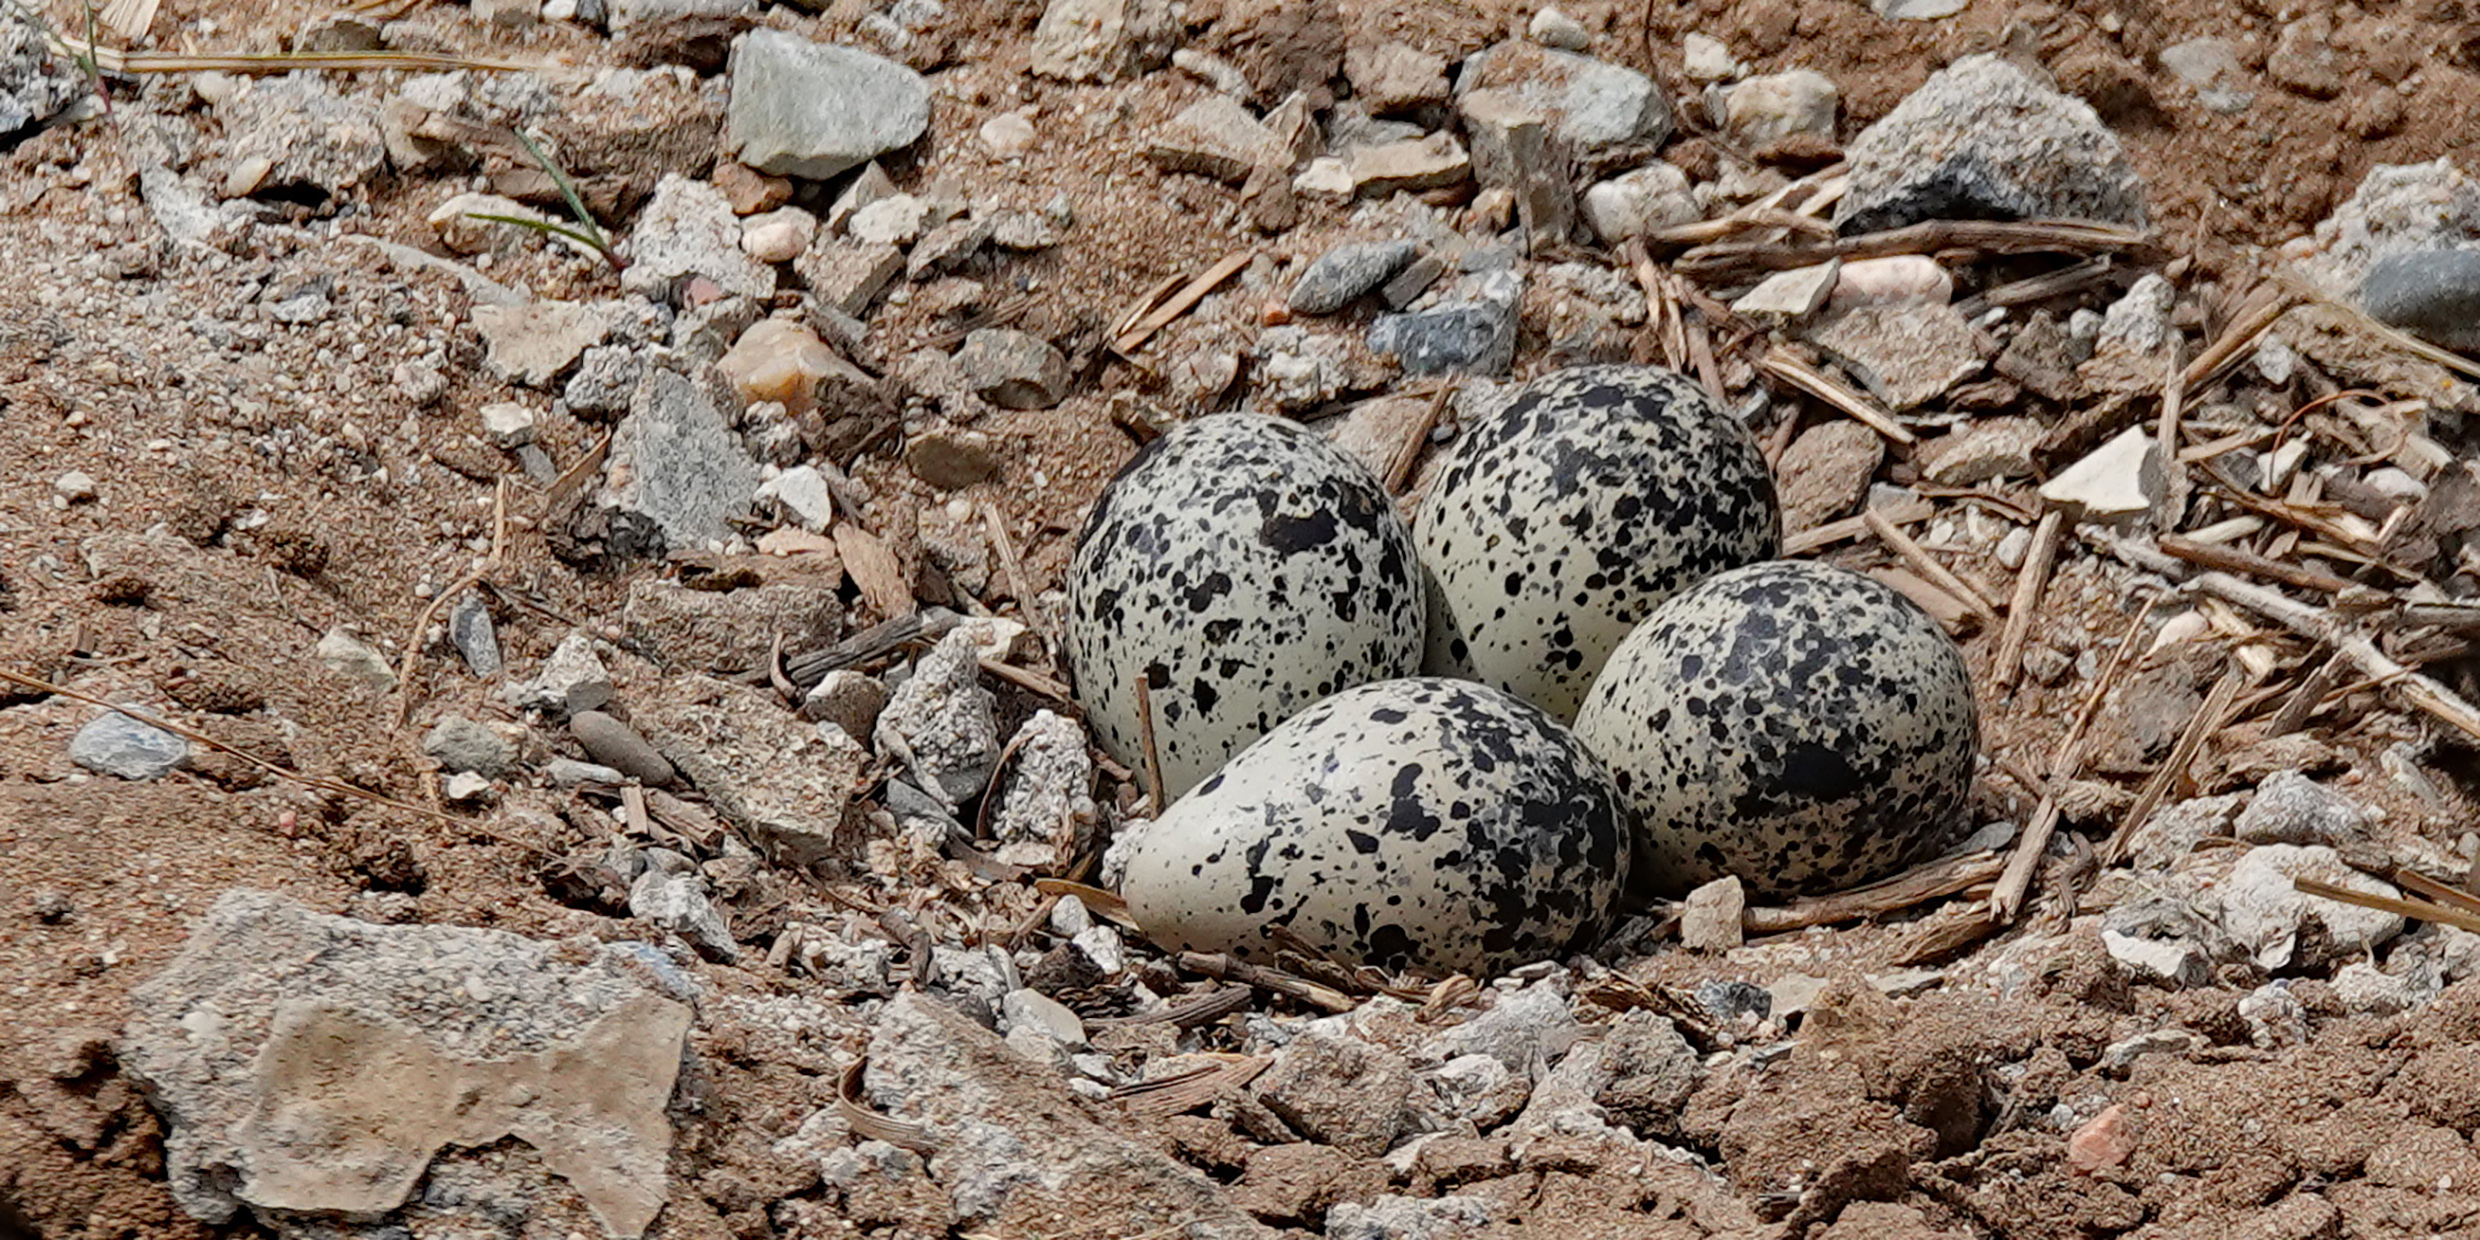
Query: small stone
x,y
1030,1009
1345,273
606,378
1826,471
1415,279
460,744
895,220
688,230
2210,67
2177,963
1983,140
749,190
951,460
1048,802
1340,1091
1918,353
848,275
679,903
947,247
1592,104
1775,106
784,361
2362,987
116,744
948,719
475,637
1512,149
1013,370
466,788
74,487
1102,40
1710,920
2290,808
1982,450
2303,58
2266,914
2433,294
617,745
1471,335
1704,59
804,494
507,423
1023,231
1892,282
535,343
1552,28
569,772
1789,296
849,700
778,236
2102,1142
2275,1017
2117,484
1216,137
677,472
1395,77
571,680
812,110
1009,134
1635,203
1794,993
1433,162
1732,1002
347,656
1918,10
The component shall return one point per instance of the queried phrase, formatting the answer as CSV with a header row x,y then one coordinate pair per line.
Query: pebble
x,y
460,744
677,466
1789,296
2290,808
603,383
1012,369
951,460
1918,10
848,700
617,745
573,679
536,342
688,229
348,656
2115,485
569,772
1101,40
804,493
1552,28
1217,137
778,236
1592,104
679,903
1778,105
2433,294
1919,353
812,110
1983,449
1471,334
1394,77
1825,472
476,639
1009,134
1412,164
895,220
782,360
1346,272
847,276
1710,920
74,487
1024,1008
749,190
115,744
2210,67
947,246
1634,203
507,423
1895,281
1704,59
1983,140
947,719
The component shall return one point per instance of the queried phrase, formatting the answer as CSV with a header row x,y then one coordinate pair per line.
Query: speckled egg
x,y
1418,823
1801,726
1570,514
1245,568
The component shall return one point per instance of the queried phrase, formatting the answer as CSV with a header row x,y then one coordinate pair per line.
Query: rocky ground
x,y
596,763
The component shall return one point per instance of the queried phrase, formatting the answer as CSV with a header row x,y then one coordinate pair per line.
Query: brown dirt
x,y
149,594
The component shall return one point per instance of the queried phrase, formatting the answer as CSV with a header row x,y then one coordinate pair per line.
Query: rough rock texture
x,y
947,719
1102,40
35,85
1983,140
677,470
313,1069
689,230
805,109
1016,1152
785,782
1591,103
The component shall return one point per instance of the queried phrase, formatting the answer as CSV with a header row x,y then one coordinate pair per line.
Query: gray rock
x,y
1983,140
1014,1155
1918,353
1048,799
2291,808
1652,1069
2178,963
678,903
1012,369
2119,1056
1983,449
2433,294
310,137
730,630
1777,105
947,247
804,109
605,380
950,460
948,720
1031,1009
618,746
353,659
688,230
1217,137
573,679
1394,76
315,1069
460,744
1345,272
2275,1017
849,700
1710,918
1826,471
1526,1030
2210,67
1638,202
628,15
1103,40
847,276
1918,10
1390,1217
1512,148
569,772
2272,920
1340,1091
1592,104
116,744
1733,1001
2397,209
536,343
35,84
786,783
476,638
677,472
1479,1090
2165,839
1475,334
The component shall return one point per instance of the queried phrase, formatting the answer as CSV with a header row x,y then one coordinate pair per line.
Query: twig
x,y
1399,465
869,1124
2016,882
1921,561
1134,336
2259,311
1919,885
2417,910
1224,968
2175,487
413,640
1911,511
1145,734
2304,700
1020,583
1723,262
1204,1009
1034,682
2027,601
2234,560
2209,719
1789,367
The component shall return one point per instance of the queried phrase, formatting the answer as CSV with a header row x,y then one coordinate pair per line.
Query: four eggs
x,y
1580,679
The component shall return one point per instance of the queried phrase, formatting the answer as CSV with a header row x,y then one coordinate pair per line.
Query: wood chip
x,y
869,1124
1942,877
2029,583
1134,336
1792,369
1167,1096
875,569
1927,565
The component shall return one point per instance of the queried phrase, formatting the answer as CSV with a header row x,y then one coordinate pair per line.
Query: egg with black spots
x,y
1801,726
1244,568
1565,517
1422,823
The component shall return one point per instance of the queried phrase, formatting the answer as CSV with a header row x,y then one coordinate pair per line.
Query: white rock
x,y
75,487
1899,280
1024,1008
1326,175
1705,59
507,423
1777,105
1009,134
1790,296
1638,202
1552,28
2117,484
571,680
803,492
1711,920
778,236
896,220
348,656
2265,913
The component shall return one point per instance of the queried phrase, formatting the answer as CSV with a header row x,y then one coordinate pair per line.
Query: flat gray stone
x,y
805,109
315,1069
679,903
1592,104
786,783
1345,272
1012,369
948,719
1472,335
1103,40
686,230
310,136
676,469
35,85
115,744
1918,353
2433,294
573,679
2267,914
475,636
534,344
460,744
1982,140
2117,484
1217,137
2290,808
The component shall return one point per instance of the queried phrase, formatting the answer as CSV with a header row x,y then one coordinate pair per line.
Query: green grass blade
x,y
576,204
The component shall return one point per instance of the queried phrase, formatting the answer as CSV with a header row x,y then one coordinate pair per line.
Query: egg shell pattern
x,y
1592,496
1422,822
1803,727
1247,568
